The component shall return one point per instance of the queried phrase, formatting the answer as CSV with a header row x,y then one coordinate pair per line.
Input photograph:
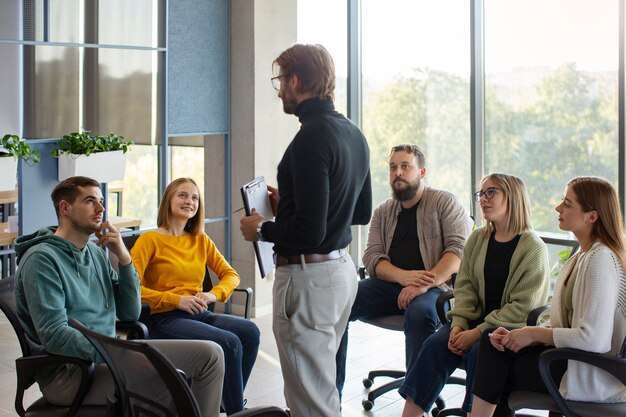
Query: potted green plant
x,y
99,157
13,148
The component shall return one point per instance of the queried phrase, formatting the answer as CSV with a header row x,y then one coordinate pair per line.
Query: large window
x,y
415,76
550,98
551,71
324,22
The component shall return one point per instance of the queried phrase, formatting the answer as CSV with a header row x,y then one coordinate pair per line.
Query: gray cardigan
x,y
443,225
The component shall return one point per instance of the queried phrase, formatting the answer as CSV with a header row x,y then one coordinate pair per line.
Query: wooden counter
x,y
125,222
6,239
8,197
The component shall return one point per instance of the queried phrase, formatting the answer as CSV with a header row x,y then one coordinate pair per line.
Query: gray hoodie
x,y
56,281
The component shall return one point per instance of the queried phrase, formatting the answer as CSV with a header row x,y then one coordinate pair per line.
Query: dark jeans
x,y
498,373
239,339
375,298
435,363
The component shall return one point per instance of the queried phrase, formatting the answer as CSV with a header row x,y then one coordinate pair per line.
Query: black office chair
x,y
615,365
29,365
392,322
141,374
555,403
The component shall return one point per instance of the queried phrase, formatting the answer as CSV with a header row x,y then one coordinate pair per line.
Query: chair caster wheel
x,y
434,412
367,383
367,405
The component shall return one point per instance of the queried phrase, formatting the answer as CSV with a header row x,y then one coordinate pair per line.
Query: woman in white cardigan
x,y
588,309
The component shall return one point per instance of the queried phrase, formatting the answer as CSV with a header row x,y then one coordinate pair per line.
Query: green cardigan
x,y
526,288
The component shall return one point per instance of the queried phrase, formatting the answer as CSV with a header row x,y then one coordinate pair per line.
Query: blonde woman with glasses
x,y
504,274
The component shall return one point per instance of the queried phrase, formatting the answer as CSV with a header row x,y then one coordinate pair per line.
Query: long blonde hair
x,y
195,225
517,203
597,194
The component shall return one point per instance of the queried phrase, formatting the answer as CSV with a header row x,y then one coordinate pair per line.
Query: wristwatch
x,y
259,233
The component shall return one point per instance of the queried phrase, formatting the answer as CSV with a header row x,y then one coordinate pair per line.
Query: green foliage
x,y
18,148
428,108
568,128
84,143
562,257
543,125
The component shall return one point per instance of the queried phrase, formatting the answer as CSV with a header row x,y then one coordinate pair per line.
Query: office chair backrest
x,y
142,375
9,308
29,365
615,365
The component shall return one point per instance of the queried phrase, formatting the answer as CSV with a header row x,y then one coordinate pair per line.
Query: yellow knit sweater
x,y
172,266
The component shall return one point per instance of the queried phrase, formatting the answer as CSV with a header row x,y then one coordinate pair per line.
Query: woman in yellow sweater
x,y
171,262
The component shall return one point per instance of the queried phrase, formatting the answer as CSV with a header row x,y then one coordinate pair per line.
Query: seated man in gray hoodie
x,y
62,274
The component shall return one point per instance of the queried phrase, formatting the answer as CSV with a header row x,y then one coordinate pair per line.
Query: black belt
x,y
311,258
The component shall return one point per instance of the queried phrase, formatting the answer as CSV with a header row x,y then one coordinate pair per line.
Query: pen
x,y
238,210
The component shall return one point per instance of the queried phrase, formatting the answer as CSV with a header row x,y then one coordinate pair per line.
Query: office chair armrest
x,y
134,329
614,365
443,304
362,272
27,367
248,306
535,315
144,314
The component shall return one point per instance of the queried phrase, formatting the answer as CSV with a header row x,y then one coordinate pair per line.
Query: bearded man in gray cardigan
x,y
415,244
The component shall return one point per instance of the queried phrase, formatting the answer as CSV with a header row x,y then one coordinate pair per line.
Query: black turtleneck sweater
x,y
324,183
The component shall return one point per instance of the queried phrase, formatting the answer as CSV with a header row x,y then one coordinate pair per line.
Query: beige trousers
x,y
202,361
311,308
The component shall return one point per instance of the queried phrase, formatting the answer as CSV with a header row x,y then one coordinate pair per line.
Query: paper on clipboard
x,y
254,195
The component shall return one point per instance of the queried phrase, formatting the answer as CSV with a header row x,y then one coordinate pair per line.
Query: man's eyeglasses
x,y
488,193
276,81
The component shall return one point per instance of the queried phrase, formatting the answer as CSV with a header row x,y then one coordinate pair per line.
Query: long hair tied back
x,y
597,194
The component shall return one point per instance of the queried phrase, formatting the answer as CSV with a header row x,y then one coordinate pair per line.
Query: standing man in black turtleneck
x,y
325,187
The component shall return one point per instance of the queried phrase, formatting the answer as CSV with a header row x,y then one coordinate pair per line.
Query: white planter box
x,y
101,166
8,173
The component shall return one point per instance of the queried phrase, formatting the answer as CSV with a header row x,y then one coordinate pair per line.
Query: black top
x,y
497,262
404,252
324,183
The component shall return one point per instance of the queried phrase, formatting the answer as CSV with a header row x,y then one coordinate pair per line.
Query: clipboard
x,y
254,195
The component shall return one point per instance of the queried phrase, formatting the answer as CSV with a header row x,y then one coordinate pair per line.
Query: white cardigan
x,y
598,323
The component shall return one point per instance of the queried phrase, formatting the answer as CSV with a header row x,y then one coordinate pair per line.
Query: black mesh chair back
x,y
146,383
9,308
29,365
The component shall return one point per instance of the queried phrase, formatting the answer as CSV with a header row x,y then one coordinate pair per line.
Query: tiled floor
x,y
369,348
